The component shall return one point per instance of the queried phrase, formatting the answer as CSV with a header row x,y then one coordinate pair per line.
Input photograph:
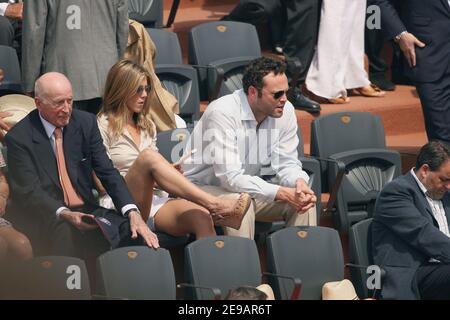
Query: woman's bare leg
x,y
150,166
179,217
18,244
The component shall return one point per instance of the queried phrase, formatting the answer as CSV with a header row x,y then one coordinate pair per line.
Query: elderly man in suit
x,y
422,29
410,229
51,156
10,13
79,38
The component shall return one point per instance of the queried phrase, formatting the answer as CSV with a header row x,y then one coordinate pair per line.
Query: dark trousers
x,y
302,26
69,241
434,281
6,32
435,99
374,42
91,105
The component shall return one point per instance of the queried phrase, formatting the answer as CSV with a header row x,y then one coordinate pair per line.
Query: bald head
x,y
53,97
50,82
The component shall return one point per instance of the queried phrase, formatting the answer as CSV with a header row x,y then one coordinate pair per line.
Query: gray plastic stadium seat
x,y
312,254
47,278
177,78
360,254
168,50
356,139
147,12
171,143
221,262
227,45
11,69
136,273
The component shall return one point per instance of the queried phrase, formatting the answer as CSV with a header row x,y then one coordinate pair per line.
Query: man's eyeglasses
x,y
141,89
277,95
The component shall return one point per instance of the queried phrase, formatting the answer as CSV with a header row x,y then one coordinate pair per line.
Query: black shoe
x,y
301,102
382,82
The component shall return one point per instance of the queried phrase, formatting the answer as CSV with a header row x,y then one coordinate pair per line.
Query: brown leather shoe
x,y
370,91
234,219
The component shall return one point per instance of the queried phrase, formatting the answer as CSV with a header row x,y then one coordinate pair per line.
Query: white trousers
x,y
264,211
338,63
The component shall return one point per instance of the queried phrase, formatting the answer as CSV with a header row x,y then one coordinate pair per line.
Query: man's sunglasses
x,y
141,89
277,95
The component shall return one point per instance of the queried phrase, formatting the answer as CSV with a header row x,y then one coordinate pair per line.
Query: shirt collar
x,y
49,128
420,184
246,111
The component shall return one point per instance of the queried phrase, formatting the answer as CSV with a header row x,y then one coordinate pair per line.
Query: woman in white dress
x,y
129,136
338,64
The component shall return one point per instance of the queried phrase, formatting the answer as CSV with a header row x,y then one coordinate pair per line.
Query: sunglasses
x,y
141,89
277,95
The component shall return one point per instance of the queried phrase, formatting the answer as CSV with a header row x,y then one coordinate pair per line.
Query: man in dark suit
x,y
422,29
410,229
42,204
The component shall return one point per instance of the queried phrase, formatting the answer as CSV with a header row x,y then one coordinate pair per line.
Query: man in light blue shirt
x,y
246,136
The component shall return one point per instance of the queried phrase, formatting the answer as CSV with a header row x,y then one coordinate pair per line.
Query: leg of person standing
x,y
374,42
302,23
435,100
6,32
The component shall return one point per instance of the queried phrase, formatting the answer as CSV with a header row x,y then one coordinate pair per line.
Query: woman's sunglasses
x,y
141,89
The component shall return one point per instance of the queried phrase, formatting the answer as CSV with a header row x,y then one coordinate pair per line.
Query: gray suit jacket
x,y
405,235
79,38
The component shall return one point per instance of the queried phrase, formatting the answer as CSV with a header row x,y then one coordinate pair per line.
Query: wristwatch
x,y
399,36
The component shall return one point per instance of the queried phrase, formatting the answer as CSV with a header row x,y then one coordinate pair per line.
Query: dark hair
x,y
258,69
246,293
435,153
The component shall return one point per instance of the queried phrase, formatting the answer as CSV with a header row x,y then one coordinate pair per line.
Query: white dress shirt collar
x,y
246,110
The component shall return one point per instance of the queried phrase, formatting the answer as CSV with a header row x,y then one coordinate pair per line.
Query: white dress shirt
x,y
4,5
49,130
233,152
436,207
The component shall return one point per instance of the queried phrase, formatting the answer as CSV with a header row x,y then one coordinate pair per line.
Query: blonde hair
x,y
123,79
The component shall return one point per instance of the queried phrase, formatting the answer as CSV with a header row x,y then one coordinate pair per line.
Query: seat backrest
x,y
181,81
344,131
222,262
357,140
218,40
147,12
360,253
9,63
313,254
171,143
49,278
227,44
168,50
136,273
